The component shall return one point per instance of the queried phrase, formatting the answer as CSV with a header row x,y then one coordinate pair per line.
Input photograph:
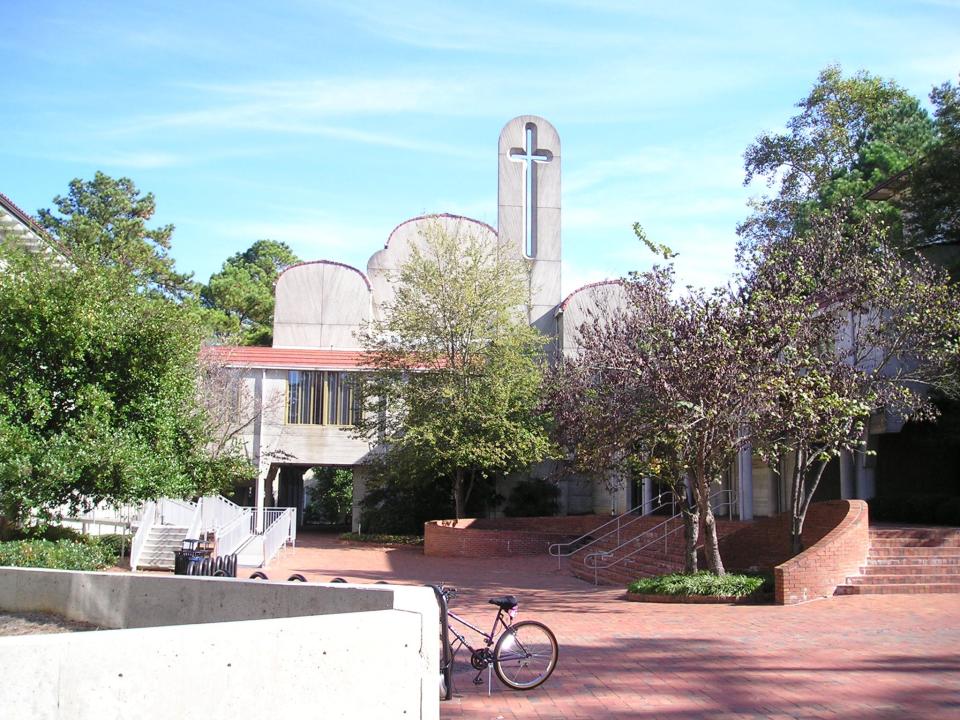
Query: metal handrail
x,y
176,512
278,533
147,518
619,526
232,535
660,538
196,523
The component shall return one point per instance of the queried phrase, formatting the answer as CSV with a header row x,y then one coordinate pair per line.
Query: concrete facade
x,y
197,647
322,306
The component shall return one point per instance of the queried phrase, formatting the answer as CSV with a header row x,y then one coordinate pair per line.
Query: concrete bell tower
x,y
528,217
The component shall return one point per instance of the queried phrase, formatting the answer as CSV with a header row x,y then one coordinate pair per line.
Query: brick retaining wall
x,y
503,537
841,552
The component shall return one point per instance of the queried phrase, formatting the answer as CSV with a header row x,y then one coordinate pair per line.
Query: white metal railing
x,y
655,535
611,527
282,530
147,518
196,523
263,519
176,512
232,535
218,512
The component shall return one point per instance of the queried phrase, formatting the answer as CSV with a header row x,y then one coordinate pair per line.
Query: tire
x,y
232,569
338,580
296,577
525,655
446,683
258,576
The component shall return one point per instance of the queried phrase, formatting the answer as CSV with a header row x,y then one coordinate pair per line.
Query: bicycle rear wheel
x,y
525,655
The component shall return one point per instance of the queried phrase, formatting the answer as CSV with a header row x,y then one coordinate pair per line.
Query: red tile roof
x,y
271,357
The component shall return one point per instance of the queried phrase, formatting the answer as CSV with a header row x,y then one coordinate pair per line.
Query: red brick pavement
x,y
850,657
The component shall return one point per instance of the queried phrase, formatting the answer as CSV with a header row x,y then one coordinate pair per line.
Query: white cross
x,y
530,157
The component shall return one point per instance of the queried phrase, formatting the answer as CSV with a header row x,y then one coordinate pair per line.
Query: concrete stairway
x,y
660,557
159,547
910,560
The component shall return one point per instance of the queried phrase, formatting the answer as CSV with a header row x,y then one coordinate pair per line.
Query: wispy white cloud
x,y
307,108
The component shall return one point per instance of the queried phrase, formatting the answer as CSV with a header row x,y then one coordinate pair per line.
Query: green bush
x,y
62,555
702,583
383,539
112,544
533,498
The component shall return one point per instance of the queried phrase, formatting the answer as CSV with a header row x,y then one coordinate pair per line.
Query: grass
x,y
383,539
702,583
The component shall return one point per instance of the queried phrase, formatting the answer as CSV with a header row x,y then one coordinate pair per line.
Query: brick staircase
x,y
661,556
906,560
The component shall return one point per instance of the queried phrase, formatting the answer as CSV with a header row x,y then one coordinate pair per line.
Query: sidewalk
x,y
851,657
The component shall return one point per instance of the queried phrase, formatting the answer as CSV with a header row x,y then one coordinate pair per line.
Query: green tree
x,y
103,222
932,207
98,389
864,328
241,295
331,496
459,369
850,134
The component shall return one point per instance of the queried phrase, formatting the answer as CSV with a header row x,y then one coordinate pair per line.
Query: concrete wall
x,y
503,537
320,304
260,649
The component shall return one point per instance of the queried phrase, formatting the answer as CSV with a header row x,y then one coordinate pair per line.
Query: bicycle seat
x,y
505,602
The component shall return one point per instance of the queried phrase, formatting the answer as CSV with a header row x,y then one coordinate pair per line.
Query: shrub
x,y
702,583
533,498
112,544
62,555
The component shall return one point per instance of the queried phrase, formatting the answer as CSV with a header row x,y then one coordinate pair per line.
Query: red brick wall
x,y
503,537
840,552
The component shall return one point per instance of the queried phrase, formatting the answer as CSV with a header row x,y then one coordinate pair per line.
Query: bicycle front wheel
x,y
525,655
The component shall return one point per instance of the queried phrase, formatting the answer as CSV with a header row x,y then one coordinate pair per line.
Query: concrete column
x,y
866,484
848,473
262,467
647,491
745,482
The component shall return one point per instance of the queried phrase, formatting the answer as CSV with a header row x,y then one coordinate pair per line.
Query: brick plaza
x,y
852,657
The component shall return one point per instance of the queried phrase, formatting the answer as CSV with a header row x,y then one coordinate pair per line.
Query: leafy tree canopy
x,y
242,294
459,365
850,134
98,395
104,222
933,205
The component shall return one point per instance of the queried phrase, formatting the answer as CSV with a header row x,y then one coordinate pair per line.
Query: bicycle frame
x,y
488,637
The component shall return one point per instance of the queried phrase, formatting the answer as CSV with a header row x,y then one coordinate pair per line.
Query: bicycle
x,y
524,653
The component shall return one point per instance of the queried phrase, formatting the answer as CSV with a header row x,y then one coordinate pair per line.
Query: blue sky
x,y
326,124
